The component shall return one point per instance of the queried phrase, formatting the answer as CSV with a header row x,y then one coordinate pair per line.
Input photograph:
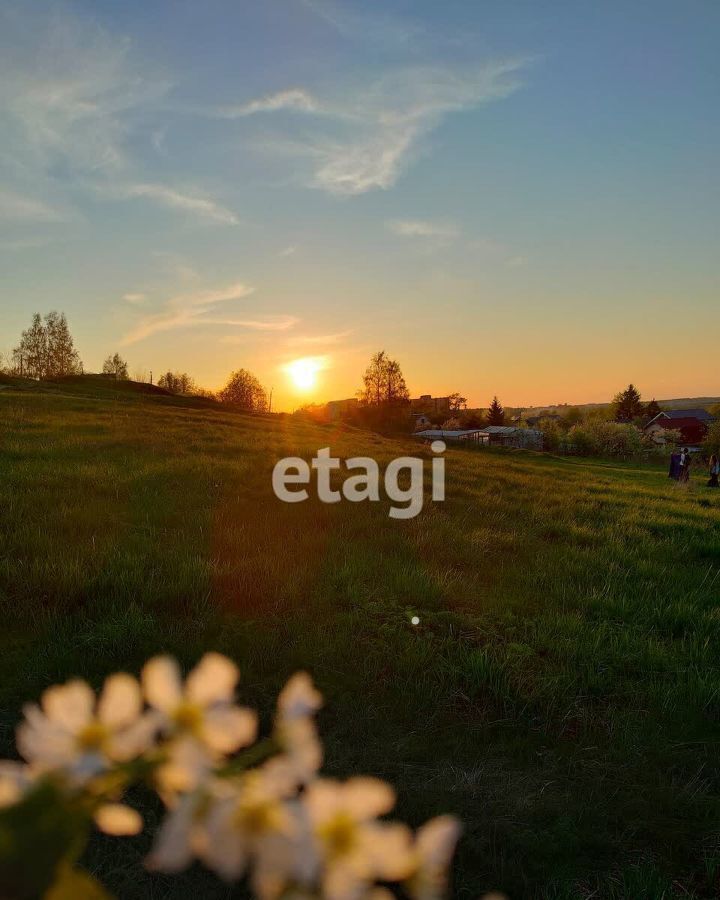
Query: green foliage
x,y
496,414
627,405
711,444
606,439
245,392
38,837
383,383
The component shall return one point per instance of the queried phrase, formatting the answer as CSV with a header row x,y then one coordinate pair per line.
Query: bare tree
x,y
46,349
116,366
177,383
383,382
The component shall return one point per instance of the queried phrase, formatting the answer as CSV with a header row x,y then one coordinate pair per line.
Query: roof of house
x,y
437,433
701,414
508,430
684,422
680,418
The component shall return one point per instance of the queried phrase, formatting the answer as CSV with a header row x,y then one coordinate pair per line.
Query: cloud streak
x,y
204,207
370,133
423,229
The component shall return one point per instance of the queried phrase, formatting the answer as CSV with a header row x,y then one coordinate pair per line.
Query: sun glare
x,y
304,372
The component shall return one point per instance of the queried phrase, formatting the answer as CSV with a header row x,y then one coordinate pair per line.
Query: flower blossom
x,y
72,732
200,717
355,850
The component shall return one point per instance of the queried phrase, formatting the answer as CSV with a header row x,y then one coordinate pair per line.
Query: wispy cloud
x,y
423,229
135,299
291,99
185,310
18,207
67,90
318,340
204,207
372,132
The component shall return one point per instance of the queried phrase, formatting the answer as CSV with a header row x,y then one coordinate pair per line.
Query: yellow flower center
x,y
257,817
188,717
339,834
92,737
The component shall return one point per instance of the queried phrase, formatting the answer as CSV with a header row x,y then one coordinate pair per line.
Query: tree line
x,y
46,351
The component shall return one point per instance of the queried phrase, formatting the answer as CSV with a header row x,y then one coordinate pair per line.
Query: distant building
x,y
337,409
498,435
691,423
428,404
420,421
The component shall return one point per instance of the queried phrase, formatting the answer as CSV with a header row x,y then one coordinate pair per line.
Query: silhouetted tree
x,y
177,383
383,382
116,366
245,391
457,402
496,414
652,409
627,405
46,349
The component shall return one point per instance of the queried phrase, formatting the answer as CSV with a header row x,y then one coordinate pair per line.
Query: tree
x,y
457,402
652,409
627,405
177,383
116,366
46,349
383,382
496,414
245,391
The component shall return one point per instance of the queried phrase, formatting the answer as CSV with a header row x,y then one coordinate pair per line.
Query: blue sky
x,y
514,198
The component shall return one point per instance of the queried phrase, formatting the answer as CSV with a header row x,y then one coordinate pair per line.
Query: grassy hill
x,y
561,693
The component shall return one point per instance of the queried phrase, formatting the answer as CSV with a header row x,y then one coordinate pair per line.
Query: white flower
x,y
72,732
434,848
235,826
182,835
200,716
294,728
15,779
118,819
259,828
355,849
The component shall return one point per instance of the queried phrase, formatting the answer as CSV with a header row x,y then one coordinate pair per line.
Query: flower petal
x,y
365,798
69,705
227,728
14,779
299,697
390,851
130,742
436,841
161,683
120,702
118,819
226,849
213,680
172,851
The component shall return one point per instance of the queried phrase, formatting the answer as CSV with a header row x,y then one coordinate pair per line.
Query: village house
x,y
430,405
691,423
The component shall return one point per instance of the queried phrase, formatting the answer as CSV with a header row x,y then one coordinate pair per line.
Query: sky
x,y
520,199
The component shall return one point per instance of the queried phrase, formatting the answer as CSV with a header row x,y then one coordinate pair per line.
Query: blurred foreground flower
x,y
243,808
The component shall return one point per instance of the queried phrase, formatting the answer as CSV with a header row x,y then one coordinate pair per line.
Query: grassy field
x,y
561,693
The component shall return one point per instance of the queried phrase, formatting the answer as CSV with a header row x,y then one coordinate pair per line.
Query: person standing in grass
x,y
684,466
714,471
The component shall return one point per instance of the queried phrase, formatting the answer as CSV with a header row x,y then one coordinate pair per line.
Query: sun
x,y
304,372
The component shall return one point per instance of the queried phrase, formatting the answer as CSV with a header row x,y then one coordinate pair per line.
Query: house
x,y
420,421
691,423
429,404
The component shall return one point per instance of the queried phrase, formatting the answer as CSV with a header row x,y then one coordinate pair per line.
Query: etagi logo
x,y
366,484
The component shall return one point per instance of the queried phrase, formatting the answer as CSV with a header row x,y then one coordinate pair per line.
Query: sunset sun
x,y
303,373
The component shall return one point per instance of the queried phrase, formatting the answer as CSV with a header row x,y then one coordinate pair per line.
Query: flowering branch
x,y
243,807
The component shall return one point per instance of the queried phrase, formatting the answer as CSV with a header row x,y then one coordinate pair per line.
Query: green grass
x,y
561,694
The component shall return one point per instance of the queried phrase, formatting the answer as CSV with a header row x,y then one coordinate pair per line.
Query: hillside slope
x,y
560,693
